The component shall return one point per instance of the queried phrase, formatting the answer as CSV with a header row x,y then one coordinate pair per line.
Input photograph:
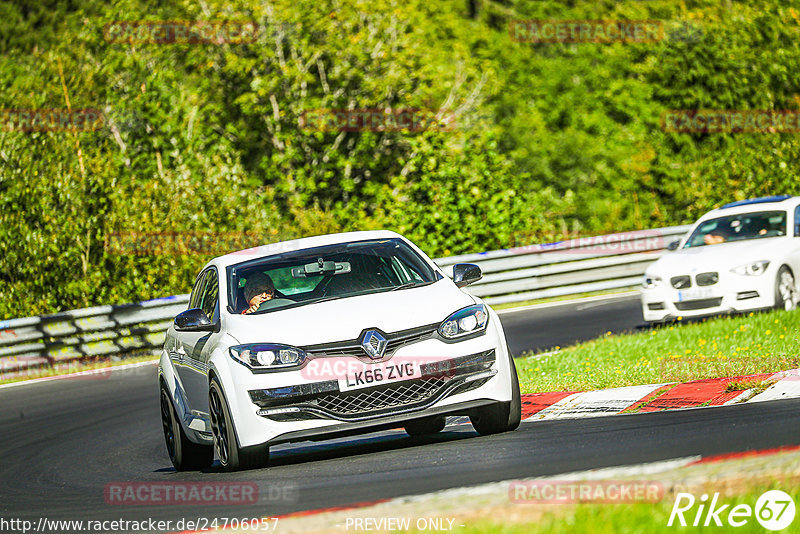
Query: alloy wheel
x,y
168,424
219,427
787,290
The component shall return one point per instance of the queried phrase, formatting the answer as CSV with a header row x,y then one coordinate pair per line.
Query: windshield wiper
x,y
410,284
320,299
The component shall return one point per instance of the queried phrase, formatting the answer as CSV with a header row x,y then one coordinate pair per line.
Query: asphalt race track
x,y
545,327
65,440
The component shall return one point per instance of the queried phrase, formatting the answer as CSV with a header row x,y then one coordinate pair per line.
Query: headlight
x,y
649,282
757,268
466,321
267,355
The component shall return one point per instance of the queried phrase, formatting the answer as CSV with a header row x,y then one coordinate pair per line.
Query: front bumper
x,y
289,406
733,293
323,400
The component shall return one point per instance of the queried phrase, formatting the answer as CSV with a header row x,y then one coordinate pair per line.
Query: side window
x,y
210,296
197,291
797,221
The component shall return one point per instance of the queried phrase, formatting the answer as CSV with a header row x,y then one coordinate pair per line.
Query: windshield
x,y
738,228
325,273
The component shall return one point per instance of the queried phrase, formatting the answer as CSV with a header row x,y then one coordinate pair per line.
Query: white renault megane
x,y
743,256
328,336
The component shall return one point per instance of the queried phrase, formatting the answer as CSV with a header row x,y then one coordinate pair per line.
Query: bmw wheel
x,y
232,457
785,290
183,453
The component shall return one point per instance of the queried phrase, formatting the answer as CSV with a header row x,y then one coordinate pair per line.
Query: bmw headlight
x,y
469,320
756,268
268,355
650,282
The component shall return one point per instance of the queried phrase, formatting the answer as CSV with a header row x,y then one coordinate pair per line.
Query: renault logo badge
x,y
374,344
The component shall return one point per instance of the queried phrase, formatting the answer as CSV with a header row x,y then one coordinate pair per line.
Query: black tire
x,y
231,455
425,426
785,290
501,416
183,453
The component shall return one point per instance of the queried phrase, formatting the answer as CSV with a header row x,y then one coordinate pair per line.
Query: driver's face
x,y
261,297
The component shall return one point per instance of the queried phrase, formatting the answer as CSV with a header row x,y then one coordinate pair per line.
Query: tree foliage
x,y
547,140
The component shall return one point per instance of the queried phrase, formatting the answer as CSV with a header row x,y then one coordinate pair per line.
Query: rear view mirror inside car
x,y
321,268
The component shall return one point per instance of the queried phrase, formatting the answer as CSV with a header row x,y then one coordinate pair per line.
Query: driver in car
x,y
721,234
258,288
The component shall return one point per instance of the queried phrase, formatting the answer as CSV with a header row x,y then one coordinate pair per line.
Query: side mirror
x,y
674,245
466,273
193,320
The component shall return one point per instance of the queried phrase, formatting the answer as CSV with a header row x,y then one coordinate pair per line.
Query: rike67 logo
x,y
774,510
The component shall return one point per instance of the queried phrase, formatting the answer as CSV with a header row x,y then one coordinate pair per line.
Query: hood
x,y
724,256
346,318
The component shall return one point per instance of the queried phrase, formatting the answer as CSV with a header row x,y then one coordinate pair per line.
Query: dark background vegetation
x,y
551,140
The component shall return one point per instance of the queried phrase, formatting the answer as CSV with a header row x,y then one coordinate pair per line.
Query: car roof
x,y
272,249
783,202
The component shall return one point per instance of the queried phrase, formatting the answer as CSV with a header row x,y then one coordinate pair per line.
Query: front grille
x,y
680,282
394,341
688,305
401,394
707,279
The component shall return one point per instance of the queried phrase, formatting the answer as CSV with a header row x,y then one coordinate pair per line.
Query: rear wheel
x,y
231,456
426,426
785,290
183,453
501,416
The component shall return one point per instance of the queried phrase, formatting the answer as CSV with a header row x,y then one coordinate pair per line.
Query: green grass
x,y
635,518
718,347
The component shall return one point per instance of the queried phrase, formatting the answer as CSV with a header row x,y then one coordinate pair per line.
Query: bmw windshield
x,y
325,273
738,228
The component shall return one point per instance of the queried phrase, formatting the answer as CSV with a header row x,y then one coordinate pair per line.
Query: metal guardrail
x,y
511,275
570,267
55,340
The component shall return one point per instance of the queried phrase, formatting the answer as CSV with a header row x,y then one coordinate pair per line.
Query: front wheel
x,y
785,290
231,456
501,416
183,454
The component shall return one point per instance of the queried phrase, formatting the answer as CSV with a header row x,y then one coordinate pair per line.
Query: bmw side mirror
x,y
674,245
465,274
193,320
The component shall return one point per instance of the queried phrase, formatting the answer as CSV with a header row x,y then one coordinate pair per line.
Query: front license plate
x,y
694,294
378,374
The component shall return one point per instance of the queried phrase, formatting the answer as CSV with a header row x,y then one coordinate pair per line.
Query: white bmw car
x,y
740,257
328,336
